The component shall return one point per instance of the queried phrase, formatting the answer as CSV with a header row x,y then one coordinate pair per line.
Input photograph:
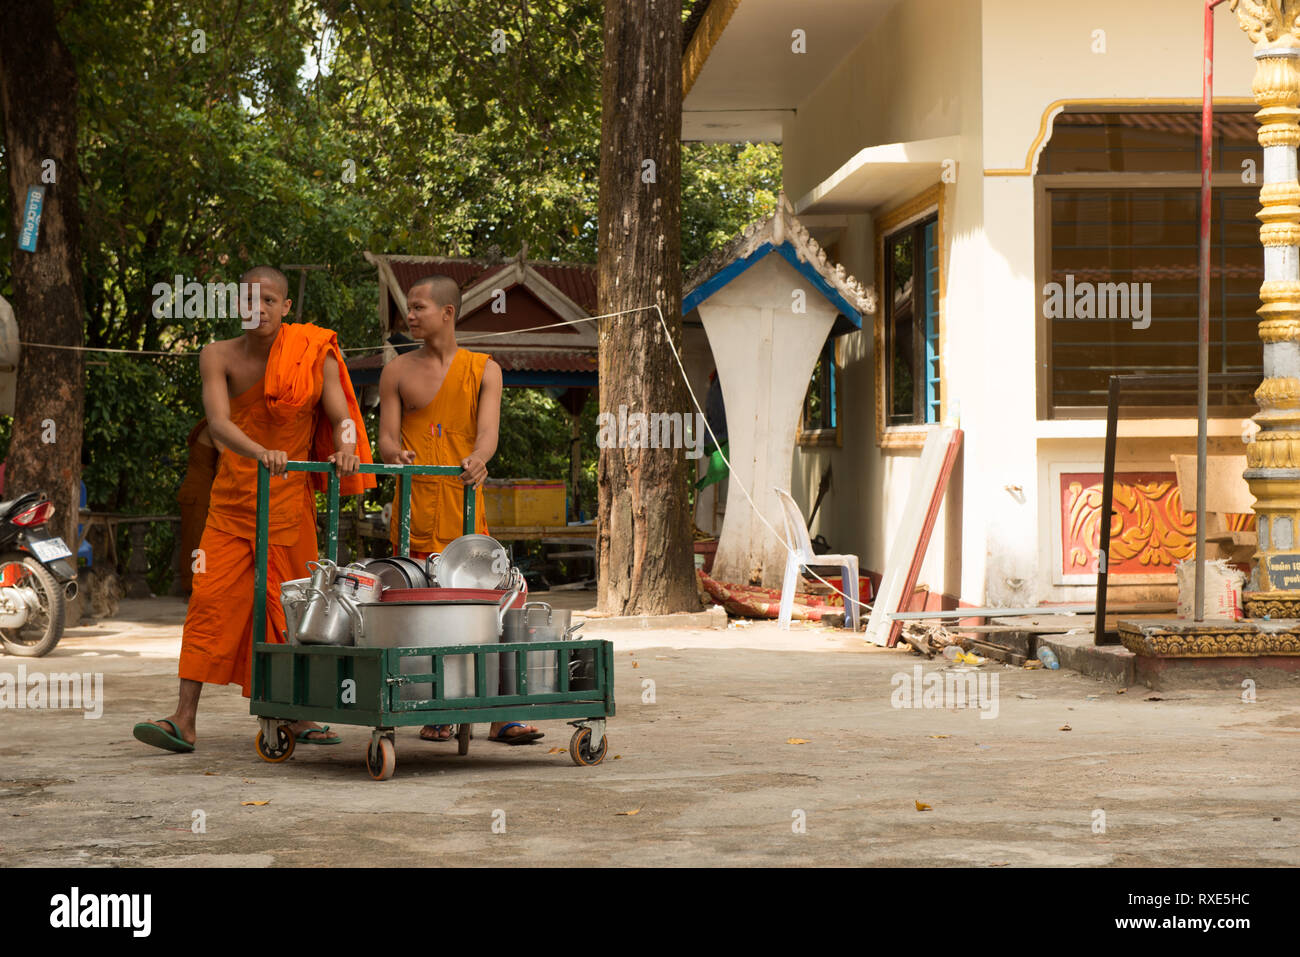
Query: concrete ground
x,y
704,774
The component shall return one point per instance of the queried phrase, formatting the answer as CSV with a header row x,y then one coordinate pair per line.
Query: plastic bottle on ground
x,y
1048,657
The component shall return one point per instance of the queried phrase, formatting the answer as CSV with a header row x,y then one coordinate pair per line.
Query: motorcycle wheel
x,y
44,629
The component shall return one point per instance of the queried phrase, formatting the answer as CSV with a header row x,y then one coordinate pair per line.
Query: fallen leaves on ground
x,y
628,813
253,803
922,806
1065,727
936,736
636,664
1120,690
1027,696
211,773
797,741
556,751
999,863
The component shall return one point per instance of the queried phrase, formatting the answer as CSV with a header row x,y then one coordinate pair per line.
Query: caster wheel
x,y
382,765
581,751
462,739
282,749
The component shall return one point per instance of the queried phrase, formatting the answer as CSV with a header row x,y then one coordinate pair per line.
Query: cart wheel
x,y
283,746
462,739
381,767
580,749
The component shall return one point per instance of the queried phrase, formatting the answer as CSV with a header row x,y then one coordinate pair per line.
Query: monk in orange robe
x,y
441,405
274,394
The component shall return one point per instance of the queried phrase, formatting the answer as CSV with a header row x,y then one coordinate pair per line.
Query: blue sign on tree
x,y
31,219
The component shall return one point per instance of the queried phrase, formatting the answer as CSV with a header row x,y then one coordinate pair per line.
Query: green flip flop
x,y
302,738
158,737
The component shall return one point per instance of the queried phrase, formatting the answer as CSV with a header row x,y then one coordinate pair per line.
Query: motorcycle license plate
x,y
50,549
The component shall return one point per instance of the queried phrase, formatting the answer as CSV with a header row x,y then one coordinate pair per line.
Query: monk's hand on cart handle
x,y
406,457
274,460
475,471
346,462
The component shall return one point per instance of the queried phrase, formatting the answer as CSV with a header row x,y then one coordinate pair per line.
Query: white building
x,y
959,156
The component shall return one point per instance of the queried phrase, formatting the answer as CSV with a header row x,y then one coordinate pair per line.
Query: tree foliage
x,y
307,131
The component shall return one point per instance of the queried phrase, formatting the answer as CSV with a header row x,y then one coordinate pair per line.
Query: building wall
x,y
989,72
890,99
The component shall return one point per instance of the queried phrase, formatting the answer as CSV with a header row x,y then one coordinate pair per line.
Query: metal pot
x,y
543,666
471,561
392,573
330,617
293,598
433,623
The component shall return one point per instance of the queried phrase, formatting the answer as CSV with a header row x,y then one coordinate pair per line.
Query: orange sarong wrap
x,y
193,496
280,412
443,433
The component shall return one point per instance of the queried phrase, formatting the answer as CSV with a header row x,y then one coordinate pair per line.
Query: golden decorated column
x,y
1273,459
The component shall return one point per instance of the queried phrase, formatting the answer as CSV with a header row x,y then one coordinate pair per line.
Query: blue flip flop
x,y
302,738
151,734
528,737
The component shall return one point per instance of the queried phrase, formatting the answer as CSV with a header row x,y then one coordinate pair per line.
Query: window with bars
x,y
911,322
1119,223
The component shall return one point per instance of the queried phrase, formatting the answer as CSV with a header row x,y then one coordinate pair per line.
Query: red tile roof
x,y
575,280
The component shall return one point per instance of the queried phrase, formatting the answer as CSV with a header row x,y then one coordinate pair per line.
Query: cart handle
x,y
401,472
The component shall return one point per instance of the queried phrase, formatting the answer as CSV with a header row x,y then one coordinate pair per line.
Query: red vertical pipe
x,y
1203,319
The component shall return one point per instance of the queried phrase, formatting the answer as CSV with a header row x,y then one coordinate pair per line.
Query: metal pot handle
x,y
508,599
537,604
570,630
353,612
430,565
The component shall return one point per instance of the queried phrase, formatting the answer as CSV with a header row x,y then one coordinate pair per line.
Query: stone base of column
x,y
1177,638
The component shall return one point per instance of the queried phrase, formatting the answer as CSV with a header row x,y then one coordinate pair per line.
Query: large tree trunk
x,y
644,519
38,97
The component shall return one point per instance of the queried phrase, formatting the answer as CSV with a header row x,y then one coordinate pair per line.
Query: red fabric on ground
x,y
750,601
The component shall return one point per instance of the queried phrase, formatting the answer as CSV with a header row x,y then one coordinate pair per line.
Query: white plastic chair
x,y
801,555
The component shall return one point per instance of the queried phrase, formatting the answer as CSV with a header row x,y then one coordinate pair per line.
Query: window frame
x,y
833,437
911,213
1043,185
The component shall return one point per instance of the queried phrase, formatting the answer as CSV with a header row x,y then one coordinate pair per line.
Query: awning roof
x,y
783,234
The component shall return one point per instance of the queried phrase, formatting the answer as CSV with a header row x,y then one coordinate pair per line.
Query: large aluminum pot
x,y
526,624
471,561
432,622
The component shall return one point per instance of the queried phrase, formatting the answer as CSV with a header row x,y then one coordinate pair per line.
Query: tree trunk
x,y
38,97
644,518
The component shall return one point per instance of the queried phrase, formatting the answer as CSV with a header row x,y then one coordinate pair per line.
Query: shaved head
x,y
443,290
269,275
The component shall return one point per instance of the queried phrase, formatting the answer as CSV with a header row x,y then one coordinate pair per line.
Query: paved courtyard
x,y
703,774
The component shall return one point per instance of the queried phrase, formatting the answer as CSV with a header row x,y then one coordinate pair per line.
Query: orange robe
x,y
443,433
282,411
193,495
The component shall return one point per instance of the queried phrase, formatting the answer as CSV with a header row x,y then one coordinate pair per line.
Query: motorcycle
x,y
38,575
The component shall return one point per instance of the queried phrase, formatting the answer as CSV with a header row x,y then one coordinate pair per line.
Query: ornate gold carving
x,y
1273,450
1267,606
1278,393
1279,330
1265,21
1148,528
1211,641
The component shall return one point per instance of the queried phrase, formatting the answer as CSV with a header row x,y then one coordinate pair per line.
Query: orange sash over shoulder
x,y
282,412
443,433
294,373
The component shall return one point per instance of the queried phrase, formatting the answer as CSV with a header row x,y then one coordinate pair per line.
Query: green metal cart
x,y
363,686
